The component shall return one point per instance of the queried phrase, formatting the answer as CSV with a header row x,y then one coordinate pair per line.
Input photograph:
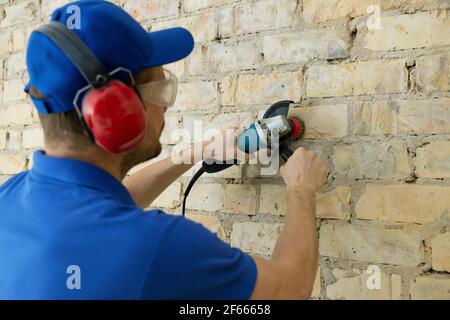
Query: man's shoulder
x,y
12,181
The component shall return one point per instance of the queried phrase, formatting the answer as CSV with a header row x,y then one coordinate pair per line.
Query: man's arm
x,y
291,272
148,183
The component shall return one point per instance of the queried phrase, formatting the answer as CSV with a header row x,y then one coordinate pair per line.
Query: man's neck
x,y
109,163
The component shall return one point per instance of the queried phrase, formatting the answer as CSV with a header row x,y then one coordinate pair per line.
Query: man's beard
x,y
142,154
148,150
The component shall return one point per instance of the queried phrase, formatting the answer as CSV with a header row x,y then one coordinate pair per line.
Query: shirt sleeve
x,y
193,263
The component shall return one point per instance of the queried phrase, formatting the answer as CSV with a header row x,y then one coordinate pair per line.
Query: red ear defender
x,y
116,117
113,112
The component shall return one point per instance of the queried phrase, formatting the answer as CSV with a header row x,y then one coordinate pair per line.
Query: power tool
x,y
259,135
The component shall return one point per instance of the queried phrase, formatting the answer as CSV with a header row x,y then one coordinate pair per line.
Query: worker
x,y
74,226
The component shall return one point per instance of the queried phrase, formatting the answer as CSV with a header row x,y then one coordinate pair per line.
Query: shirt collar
x,y
80,173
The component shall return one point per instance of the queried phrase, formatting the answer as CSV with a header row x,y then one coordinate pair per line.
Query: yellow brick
x,y
229,91
18,40
207,197
403,116
360,78
324,121
226,57
13,90
202,26
301,47
322,10
48,6
272,199
209,222
170,198
19,114
373,160
378,117
272,14
21,12
355,287
403,203
407,32
196,95
430,288
229,120
12,163
15,66
14,139
433,160
194,5
255,238
143,10
5,43
424,116
396,287
2,139
433,73
33,138
267,89
240,199
178,68
440,246
329,205
371,244
169,133
225,21
197,62
333,204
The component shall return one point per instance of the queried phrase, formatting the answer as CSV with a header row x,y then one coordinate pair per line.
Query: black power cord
x,y
194,179
208,166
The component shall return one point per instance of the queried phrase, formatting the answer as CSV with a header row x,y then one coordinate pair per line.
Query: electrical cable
x,y
194,179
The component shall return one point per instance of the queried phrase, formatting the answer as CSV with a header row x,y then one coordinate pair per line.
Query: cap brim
x,y
170,45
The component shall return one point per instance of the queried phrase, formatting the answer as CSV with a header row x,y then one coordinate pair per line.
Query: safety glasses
x,y
162,91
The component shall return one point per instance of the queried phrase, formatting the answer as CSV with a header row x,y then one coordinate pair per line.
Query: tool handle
x,y
285,153
216,166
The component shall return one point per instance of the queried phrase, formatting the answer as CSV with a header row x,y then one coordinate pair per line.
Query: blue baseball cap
x,y
114,36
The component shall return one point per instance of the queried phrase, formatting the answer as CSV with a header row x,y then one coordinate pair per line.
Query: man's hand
x,y
223,147
292,269
304,171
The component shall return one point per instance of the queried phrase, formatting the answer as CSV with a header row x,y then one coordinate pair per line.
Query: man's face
x,y
150,147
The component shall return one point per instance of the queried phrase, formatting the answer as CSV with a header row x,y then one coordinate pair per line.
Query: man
x,y
73,227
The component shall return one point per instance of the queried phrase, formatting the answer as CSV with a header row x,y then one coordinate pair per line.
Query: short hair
x,y
61,127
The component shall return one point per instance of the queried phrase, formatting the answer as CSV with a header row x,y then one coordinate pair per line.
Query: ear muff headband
x,y
81,56
92,70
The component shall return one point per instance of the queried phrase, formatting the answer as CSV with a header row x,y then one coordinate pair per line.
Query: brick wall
x,y
376,103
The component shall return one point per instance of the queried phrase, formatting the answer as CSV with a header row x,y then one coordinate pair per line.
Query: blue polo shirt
x,y
70,230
